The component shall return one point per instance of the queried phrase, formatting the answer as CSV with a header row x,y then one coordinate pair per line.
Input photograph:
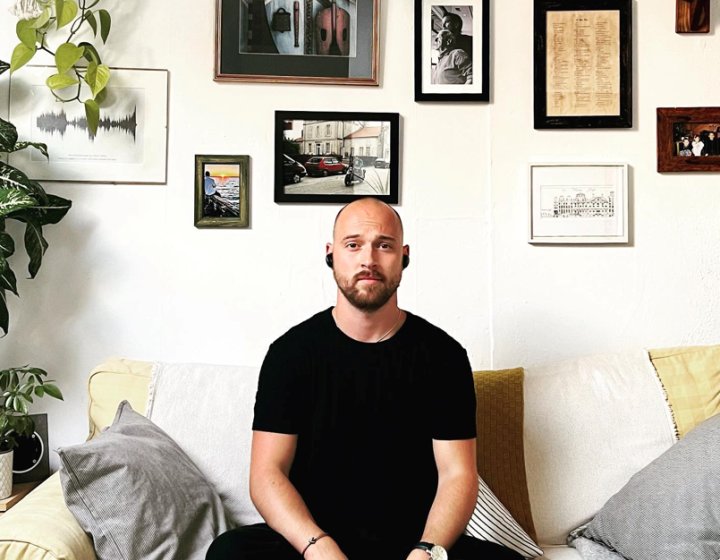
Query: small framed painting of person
x,y
221,191
452,51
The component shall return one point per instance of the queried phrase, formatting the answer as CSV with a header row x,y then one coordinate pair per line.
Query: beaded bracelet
x,y
312,541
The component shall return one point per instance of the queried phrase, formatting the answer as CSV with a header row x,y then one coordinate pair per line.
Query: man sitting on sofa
x,y
364,429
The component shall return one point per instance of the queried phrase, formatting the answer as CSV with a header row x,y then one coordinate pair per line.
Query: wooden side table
x,y
19,491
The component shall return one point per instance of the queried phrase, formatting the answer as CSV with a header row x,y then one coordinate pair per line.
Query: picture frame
x,y
583,203
222,191
129,147
336,157
687,139
583,64
466,26
298,42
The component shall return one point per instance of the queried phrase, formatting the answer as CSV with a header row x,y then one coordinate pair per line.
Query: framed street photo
x,y
222,193
298,41
583,63
452,45
579,203
687,139
336,156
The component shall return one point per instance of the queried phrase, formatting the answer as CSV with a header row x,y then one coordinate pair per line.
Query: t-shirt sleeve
x,y
278,398
453,400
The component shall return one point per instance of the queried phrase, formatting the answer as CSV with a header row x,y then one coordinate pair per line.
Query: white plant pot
x,y
6,474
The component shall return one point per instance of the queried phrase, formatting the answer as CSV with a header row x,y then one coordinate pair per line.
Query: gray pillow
x,y
670,509
138,494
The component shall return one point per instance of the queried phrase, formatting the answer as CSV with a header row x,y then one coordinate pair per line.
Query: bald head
x,y
369,206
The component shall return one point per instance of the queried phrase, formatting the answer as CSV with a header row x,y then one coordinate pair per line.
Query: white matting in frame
x,y
579,203
131,141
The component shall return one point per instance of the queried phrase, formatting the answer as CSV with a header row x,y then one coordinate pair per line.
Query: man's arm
x,y
279,502
456,494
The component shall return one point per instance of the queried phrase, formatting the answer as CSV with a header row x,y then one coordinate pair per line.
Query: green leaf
x,y
11,178
59,8
8,280
105,23
92,113
26,33
97,77
8,136
41,20
90,18
49,212
12,200
4,315
21,55
100,97
40,391
7,244
91,54
35,245
68,13
4,67
60,81
40,146
67,55
53,391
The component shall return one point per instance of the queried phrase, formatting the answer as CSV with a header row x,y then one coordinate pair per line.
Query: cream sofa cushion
x,y
590,424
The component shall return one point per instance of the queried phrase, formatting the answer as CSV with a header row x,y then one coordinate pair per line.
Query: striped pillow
x,y
492,522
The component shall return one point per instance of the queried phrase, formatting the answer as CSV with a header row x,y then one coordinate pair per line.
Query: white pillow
x,y
491,521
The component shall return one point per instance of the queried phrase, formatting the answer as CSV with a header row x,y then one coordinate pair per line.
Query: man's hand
x,y
325,549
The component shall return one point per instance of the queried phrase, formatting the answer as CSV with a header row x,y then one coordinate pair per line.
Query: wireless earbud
x,y
405,261
329,260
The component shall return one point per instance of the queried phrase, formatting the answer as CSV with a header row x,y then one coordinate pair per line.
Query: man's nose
x,y
368,257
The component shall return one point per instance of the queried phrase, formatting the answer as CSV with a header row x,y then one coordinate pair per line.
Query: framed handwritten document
x,y
583,63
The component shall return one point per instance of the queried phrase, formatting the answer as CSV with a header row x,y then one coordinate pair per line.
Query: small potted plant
x,y
18,386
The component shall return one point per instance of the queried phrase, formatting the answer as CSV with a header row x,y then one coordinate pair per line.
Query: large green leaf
x,y
35,245
90,18
7,244
26,33
105,23
21,55
92,114
11,178
69,12
7,279
66,56
41,147
12,200
8,136
50,212
60,81
97,77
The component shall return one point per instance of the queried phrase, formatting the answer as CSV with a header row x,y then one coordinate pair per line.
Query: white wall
x,y
127,273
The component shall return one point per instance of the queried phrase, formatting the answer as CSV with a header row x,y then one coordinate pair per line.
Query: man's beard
x,y
374,296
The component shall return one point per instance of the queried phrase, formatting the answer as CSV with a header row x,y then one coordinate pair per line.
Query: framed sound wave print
x,y
298,41
130,145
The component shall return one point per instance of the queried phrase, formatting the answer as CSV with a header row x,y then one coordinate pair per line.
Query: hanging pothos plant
x,y
24,200
77,62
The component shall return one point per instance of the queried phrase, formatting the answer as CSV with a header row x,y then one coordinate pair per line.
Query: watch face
x,y
437,552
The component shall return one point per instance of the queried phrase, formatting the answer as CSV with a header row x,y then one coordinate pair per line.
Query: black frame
x,y
624,119
668,120
421,66
232,65
333,116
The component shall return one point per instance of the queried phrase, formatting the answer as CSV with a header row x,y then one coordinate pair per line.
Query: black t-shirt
x,y
365,415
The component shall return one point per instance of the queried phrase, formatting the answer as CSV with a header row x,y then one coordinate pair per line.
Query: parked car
x,y
293,172
382,163
325,165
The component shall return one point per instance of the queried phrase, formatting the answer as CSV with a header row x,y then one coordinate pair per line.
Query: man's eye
x,y
352,245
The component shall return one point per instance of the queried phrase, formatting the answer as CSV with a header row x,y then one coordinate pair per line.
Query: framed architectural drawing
x,y
579,203
687,139
298,41
452,50
336,157
583,63
222,192
131,141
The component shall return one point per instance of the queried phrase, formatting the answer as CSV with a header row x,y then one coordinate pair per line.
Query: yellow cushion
x,y
41,527
500,451
112,382
691,377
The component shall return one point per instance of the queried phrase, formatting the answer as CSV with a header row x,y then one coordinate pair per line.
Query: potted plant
x,y
25,201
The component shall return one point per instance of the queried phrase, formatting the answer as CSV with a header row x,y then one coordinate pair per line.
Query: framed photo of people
x,y
687,139
222,192
336,157
583,63
452,50
574,203
298,41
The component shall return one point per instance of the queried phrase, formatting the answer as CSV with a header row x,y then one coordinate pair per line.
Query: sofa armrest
x,y
41,527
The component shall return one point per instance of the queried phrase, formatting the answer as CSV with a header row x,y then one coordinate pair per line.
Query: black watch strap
x,y
426,546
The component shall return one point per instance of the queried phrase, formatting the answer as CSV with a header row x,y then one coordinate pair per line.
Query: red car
x,y
324,166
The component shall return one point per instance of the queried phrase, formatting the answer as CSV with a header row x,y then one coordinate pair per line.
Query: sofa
x,y
555,442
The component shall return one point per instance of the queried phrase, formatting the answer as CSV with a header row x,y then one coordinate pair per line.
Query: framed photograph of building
x,y
222,192
130,145
452,50
687,139
298,41
583,63
336,156
579,203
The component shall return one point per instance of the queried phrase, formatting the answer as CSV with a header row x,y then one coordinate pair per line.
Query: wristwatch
x,y
435,551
